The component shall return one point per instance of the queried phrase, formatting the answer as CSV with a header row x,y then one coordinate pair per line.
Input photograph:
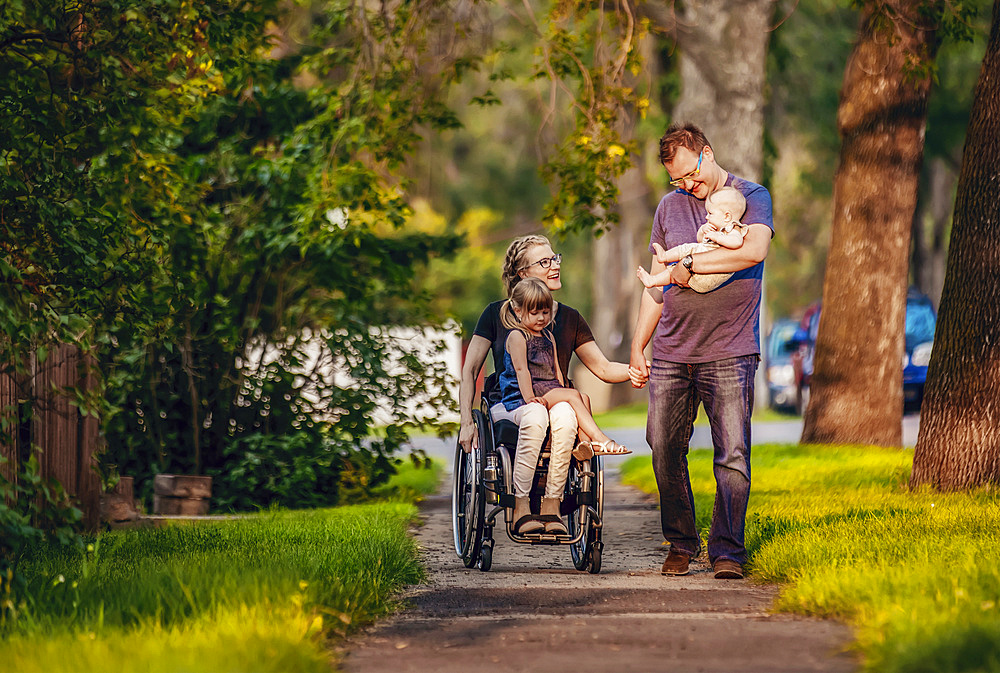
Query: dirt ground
x,y
533,611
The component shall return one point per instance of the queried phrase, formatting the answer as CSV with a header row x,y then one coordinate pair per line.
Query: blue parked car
x,y
780,373
921,320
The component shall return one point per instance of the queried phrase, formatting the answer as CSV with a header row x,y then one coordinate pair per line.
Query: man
x,y
705,349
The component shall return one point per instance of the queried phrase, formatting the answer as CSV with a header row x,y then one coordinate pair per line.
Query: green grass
x,y
412,482
264,593
634,416
916,574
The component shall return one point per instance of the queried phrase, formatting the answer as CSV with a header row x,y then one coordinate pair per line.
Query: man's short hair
x,y
681,135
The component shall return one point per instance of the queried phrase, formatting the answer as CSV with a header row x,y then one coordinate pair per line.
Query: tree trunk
x,y
930,227
959,442
857,382
615,288
723,58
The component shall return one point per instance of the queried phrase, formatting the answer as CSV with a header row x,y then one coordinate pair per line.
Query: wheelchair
x,y
483,489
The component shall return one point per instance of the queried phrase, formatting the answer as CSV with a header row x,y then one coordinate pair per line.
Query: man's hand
x,y
638,370
679,275
468,437
637,376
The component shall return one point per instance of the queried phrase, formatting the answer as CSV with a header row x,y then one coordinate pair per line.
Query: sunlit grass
x,y
412,482
634,416
916,574
258,593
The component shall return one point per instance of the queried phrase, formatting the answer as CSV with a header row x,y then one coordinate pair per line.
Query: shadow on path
x,y
534,612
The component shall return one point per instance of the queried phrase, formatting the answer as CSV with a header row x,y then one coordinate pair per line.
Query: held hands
x,y
638,372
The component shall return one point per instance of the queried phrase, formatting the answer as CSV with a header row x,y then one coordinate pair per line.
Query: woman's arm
x,y
475,356
593,358
517,349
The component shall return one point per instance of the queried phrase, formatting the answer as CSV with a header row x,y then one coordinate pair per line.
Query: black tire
x,y
595,558
468,505
486,557
578,519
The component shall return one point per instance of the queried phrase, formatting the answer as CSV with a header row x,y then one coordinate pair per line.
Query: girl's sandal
x,y
610,448
583,451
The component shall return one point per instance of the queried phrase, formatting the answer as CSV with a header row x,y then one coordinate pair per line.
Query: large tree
x,y
856,385
959,441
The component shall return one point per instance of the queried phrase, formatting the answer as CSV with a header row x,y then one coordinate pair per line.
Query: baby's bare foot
x,y
660,253
644,276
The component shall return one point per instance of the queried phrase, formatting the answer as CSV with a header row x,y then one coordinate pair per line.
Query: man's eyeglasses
x,y
679,182
546,262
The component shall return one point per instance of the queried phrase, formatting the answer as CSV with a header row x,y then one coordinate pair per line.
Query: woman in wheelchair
x,y
532,257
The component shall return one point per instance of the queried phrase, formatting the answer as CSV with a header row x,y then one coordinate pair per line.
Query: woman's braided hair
x,y
514,261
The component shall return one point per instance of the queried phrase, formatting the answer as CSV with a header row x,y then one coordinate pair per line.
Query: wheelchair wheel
x,y
586,552
486,557
467,507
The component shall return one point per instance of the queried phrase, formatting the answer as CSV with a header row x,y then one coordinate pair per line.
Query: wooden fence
x,y
39,416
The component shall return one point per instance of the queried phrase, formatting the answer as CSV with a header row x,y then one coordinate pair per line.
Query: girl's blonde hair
x,y
514,261
531,294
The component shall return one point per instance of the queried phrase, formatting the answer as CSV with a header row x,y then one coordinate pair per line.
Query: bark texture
x,y
856,388
959,442
723,48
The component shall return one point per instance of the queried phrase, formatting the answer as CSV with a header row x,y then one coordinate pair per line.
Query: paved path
x,y
534,612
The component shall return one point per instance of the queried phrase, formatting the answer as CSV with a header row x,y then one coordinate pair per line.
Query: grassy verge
x,y
634,416
916,574
268,592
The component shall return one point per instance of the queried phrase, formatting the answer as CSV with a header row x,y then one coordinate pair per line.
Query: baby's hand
x,y
660,253
704,231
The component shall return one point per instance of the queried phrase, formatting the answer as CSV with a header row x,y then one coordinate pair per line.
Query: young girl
x,y
531,373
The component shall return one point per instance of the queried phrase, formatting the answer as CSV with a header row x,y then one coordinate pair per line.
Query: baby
x,y
724,207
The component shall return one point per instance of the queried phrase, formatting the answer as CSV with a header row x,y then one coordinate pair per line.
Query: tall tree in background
x,y
856,384
959,442
723,49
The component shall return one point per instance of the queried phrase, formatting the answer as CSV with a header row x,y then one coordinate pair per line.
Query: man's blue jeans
x,y
726,388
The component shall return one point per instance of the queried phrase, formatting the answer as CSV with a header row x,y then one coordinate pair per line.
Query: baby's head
x,y
728,201
529,295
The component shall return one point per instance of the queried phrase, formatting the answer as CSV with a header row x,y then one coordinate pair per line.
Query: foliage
x,y
915,573
207,198
589,52
33,510
264,593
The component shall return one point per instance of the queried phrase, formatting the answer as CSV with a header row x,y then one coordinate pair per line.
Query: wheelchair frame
x,y
482,488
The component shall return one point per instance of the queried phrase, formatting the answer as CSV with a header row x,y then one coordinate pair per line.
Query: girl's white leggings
x,y
532,421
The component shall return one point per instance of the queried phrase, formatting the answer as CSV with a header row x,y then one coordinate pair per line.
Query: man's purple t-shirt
x,y
724,323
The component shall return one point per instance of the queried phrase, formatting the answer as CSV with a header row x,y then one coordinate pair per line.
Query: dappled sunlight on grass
x,y
917,574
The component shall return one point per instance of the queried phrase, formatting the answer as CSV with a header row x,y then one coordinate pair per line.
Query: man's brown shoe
x,y
676,564
727,569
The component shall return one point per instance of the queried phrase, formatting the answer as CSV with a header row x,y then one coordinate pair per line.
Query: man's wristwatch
x,y
686,262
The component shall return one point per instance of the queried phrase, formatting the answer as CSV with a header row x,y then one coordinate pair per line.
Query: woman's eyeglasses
x,y
679,182
546,262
